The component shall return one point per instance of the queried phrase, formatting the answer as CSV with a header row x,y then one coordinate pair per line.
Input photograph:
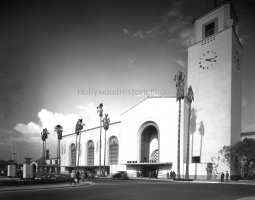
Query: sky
x,y
59,59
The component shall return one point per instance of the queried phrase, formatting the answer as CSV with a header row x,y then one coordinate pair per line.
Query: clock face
x,y
208,59
237,60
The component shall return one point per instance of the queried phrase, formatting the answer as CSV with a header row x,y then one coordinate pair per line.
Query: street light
x,y
44,135
100,112
106,122
78,128
59,130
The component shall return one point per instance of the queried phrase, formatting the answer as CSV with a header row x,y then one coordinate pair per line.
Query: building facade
x,y
145,140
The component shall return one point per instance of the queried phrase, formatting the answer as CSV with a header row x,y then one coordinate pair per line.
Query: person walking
x,y
78,177
82,176
227,176
72,178
174,174
222,177
171,175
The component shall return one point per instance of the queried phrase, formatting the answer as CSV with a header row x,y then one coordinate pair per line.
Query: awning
x,y
148,164
87,166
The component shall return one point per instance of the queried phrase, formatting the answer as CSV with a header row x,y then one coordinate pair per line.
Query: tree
x,y
106,123
242,152
213,166
179,78
44,136
100,112
78,127
59,130
189,98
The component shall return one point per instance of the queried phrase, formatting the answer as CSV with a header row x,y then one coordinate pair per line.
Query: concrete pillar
x,y
11,170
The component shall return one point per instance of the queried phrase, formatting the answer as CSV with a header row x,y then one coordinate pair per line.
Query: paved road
x,y
107,189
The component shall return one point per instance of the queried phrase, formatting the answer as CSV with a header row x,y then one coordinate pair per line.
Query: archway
x,y
149,143
149,148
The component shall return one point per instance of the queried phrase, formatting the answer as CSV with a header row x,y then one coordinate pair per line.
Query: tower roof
x,y
215,8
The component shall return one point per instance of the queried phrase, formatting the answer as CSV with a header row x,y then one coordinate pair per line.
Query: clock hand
x,y
209,59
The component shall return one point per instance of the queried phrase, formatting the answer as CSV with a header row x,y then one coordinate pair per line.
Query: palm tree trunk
x,y
104,150
178,156
187,158
75,155
57,154
100,149
79,150
43,164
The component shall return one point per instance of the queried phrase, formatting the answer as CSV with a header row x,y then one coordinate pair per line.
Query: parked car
x,y
90,175
120,175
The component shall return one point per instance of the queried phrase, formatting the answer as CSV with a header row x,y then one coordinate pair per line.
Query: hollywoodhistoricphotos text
x,y
124,91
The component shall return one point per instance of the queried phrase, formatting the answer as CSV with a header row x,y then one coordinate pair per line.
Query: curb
x,y
43,187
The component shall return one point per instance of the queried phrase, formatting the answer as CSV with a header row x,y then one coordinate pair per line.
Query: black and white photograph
x,y
127,99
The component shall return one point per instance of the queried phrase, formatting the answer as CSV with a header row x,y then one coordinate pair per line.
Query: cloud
x,y
131,61
173,27
125,31
30,128
181,63
89,112
48,120
28,136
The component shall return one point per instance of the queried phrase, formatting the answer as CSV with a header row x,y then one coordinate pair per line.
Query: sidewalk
x,y
43,186
244,182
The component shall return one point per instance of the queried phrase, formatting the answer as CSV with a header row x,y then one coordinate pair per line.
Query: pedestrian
x,y
72,178
82,176
171,175
174,174
78,177
149,174
222,177
227,176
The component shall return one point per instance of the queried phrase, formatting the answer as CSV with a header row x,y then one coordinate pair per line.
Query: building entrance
x,y
149,143
149,171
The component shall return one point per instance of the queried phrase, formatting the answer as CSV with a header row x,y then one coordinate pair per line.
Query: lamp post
x,y
106,122
44,135
179,78
78,128
59,130
189,98
100,112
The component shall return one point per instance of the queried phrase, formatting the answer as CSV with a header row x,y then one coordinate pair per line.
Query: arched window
x,y
90,150
73,154
154,156
113,151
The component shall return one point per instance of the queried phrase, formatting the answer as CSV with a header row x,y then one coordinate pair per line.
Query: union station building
x,y
145,138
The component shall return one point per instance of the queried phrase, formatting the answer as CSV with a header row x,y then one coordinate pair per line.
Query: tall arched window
x,y
90,150
73,154
113,151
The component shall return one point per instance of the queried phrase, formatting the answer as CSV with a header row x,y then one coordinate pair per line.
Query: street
x,y
108,189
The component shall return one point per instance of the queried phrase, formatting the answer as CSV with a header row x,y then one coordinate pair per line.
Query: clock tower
x,y
215,74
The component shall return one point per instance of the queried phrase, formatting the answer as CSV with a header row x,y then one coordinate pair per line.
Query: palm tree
x,y
100,111
106,122
189,98
78,128
179,78
44,136
59,130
